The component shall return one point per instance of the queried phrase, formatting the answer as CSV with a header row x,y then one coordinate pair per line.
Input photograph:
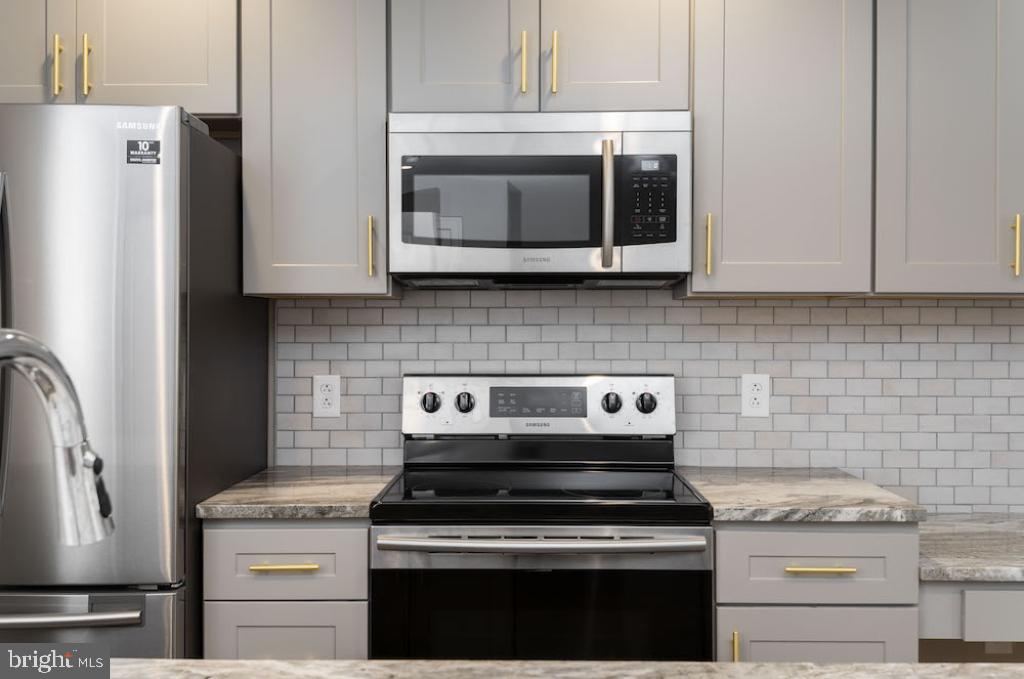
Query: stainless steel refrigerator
x,y
120,249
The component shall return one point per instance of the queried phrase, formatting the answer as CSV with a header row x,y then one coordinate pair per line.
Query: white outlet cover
x,y
326,395
754,396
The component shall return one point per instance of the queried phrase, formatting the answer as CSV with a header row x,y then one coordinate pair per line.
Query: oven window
x,y
502,201
541,614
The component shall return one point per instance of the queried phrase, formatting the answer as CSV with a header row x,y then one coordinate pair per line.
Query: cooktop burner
x,y
540,494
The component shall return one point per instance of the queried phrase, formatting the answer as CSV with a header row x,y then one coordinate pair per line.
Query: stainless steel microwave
x,y
539,199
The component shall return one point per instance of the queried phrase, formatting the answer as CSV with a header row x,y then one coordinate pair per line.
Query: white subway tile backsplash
x,y
925,397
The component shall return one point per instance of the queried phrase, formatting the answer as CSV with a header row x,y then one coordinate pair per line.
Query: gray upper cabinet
x,y
313,175
610,55
464,55
950,169
183,52
121,52
29,72
501,55
782,108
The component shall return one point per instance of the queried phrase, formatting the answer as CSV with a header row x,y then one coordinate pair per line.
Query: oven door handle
x,y
454,545
607,202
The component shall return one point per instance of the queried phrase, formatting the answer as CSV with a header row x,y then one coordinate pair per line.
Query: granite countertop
x,y
811,495
798,495
401,669
300,493
973,547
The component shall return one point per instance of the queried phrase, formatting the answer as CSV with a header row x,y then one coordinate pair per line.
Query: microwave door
x,y
502,203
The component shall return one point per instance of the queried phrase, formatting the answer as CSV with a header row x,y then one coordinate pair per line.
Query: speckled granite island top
x,y
300,493
798,495
735,494
351,669
973,547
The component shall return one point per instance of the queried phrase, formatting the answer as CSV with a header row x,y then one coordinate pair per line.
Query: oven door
x,y
565,593
494,203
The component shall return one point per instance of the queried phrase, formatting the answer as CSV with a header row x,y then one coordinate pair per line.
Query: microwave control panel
x,y
645,199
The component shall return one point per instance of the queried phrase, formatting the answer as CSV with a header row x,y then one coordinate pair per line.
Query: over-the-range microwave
x,y
503,200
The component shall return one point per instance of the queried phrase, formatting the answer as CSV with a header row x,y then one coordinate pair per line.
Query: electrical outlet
x,y
754,396
326,395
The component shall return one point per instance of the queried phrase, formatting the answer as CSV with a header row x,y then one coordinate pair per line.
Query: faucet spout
x,y
83,505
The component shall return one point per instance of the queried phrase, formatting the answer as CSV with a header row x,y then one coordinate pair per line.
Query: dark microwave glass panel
x,y
541,402
502,201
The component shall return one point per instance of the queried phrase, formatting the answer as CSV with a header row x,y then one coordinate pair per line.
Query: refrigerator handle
x,y
60,620
5,322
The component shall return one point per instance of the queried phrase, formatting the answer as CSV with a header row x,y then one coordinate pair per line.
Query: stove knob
x,y
646,403
611,402
464,402
431,402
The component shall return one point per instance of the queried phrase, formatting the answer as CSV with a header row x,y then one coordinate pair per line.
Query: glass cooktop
x,y
540,494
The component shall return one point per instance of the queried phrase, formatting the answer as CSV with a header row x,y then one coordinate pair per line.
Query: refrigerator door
x,y
93,211
131,624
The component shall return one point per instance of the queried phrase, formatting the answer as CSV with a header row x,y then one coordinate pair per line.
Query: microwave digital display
x,y
650,165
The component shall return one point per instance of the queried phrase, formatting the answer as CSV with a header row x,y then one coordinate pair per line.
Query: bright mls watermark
x,y
88,661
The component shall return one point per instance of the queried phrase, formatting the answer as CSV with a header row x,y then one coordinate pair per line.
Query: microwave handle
x,y
607,202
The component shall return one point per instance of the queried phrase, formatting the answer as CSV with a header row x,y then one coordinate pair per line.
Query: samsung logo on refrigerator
x,y
135,126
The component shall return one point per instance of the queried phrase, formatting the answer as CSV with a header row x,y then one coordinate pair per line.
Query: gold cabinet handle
x,y
1016,247
707,247
284,567
369,246
735,646
554,62
86,50
522,62
58,47
821,570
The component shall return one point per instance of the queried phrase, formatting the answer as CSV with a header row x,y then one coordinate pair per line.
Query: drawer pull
x,y
285,568
821,570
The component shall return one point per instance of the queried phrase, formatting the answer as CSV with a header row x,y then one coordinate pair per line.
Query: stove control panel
x,y
618,405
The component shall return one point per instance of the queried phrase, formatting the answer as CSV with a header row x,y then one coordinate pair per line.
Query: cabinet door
x,y
464,55
285,630
314,96
615,56
817,634
950,168
159,53
783,143
28,72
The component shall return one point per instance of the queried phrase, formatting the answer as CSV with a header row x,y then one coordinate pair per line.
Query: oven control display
x,y
538,402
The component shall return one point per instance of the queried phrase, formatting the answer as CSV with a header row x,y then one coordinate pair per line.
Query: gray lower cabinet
x,y
823,634
313,175
816,592
286,630
464,55
782,103
610,55
973,611
950,176
286,589
31,70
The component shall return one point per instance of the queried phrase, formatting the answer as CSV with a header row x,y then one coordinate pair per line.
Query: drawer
x,y
820,634
286,630
285,563
994,615
813,564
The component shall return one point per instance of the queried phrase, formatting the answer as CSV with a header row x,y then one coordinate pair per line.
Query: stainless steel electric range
x,y
540,517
